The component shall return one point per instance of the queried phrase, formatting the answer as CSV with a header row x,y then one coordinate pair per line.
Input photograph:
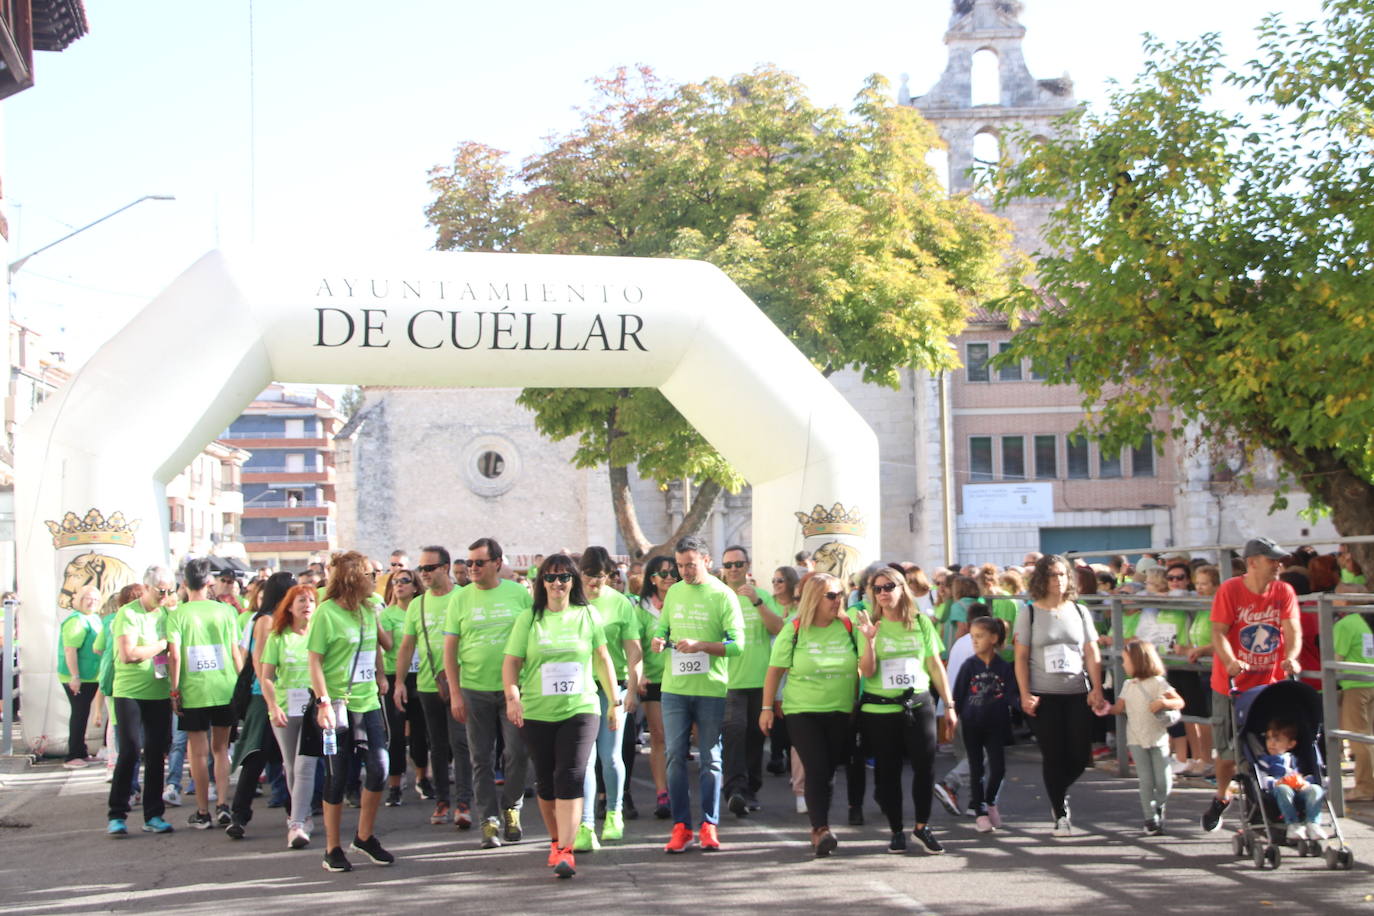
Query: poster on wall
x,y
1003,503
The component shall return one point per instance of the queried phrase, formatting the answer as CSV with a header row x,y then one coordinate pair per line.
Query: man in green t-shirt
x,y
701,625
203,649
742,741
448,738
480,619
1353,641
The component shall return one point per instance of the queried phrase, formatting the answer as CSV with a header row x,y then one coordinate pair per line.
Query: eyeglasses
x,y
1176,578
402,581
666,574
551,578
164,592
480,563
430,567
779,581
889,587
833,595
735,564
394,565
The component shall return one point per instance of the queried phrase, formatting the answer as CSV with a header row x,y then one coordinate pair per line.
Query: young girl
x,y
1145,695
983,693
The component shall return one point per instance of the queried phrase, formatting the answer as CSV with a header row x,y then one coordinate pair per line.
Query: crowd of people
x,y
479,678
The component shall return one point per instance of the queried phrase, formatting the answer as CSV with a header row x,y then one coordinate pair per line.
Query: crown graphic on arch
x,y
835,520
94,528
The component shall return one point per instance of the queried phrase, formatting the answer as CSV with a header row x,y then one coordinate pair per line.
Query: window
x,y
1143,458
985,78
1010,373
295,497
1037,372
295,531
295,463
1046,458
980,458
491,465
1013,458
977,362
295,429
1076,449
1109,463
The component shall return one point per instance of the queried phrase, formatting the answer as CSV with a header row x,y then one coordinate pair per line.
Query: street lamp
x,y
19,263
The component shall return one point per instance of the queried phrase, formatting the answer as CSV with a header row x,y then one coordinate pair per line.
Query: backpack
x,y
848,625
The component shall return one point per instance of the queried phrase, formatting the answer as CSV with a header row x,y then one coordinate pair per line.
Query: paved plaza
x,y
54,859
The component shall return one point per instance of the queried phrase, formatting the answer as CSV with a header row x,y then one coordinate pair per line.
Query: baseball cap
x,y
1145,564
1263,547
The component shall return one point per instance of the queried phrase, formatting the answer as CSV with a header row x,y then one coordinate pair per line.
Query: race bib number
x,y
296,700
561,679
160,665
1062,658
205,658
685,663
1369,645
1163,635
365,668
415,664
901,673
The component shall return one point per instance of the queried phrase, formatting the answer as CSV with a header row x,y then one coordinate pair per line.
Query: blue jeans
x,y
607,749
680,712
176,759
1309,798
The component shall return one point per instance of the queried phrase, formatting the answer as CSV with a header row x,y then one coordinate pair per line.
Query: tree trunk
x,y
626,519
1350,497
702,504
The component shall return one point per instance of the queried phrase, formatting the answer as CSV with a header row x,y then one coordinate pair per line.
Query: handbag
x,y
311,743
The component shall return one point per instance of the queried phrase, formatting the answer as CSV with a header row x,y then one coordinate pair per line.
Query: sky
x,y
315,127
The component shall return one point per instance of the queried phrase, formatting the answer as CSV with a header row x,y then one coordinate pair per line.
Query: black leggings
x,y
629,745
145,727
363,734
559,752
823,741
894,740
396,720
978,739
81,714
1063,728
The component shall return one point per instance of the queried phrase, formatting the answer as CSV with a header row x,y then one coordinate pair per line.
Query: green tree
x,y
1214,264
832,223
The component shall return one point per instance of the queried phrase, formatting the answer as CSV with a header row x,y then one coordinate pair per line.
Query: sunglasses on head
x,y
558,577
833,595
889,587
430,567
735,564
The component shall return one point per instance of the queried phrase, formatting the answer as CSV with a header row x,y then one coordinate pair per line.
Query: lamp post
x,y
18,263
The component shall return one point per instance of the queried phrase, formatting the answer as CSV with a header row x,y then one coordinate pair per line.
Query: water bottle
x,y
331,742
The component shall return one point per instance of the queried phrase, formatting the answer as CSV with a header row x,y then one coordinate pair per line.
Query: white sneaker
x,y
172,796
1297,832
1316,832
297,838
1177,767
1062,827
801,804
983,824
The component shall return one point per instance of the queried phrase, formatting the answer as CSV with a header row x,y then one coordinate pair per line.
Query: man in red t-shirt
x,y
1256,639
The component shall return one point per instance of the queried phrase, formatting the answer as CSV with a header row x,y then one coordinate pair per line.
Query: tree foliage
x,y
831,222
1215,263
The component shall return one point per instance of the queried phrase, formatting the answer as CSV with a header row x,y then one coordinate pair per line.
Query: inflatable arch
x,y
94,460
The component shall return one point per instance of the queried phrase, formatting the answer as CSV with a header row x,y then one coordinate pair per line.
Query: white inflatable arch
x,y
94,460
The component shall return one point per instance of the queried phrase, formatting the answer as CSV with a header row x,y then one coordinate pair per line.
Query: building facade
x,y
205,505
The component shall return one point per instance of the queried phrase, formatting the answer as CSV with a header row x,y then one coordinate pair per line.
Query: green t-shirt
x,y
648,622
823,669
1354,642
429,637
900,657
482,618
557,678
288,652
958,613
333,634
1200,630
1167,628
708,612
750,667
621,623
79,632
204,633
145,680
393,621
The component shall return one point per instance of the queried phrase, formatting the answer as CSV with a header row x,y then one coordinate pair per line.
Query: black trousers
x,y
145,727
559,752
80,703
894,740
742,742
855,772
992,740
1063,729
396,720
629,746
823,741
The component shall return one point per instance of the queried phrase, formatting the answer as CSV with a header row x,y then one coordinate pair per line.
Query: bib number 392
x,y
685,663
560,679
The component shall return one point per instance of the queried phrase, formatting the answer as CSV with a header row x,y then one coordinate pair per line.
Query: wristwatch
x,y
758,602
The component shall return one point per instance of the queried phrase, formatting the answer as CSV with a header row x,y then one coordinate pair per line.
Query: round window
x,y
491,465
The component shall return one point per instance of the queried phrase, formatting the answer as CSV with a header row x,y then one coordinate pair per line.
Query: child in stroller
x,y
1299,801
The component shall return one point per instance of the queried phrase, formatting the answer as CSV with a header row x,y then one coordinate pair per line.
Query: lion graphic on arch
x,y
108,574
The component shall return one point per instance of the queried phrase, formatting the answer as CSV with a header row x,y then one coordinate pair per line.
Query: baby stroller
x,y
1262,830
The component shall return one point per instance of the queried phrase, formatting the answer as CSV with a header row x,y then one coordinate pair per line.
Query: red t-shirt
x,y
1256,631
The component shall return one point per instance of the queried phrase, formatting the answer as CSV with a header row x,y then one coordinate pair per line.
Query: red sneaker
x,y
707,839
680,840
565,866
553,853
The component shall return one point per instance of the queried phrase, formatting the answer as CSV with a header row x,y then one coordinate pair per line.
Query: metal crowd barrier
x,y
1326,608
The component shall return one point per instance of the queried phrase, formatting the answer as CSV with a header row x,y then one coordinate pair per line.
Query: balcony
x,y
261,439
280,508
287,475
277,543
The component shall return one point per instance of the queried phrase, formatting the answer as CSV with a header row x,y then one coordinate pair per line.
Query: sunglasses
x,y
833,595
480,563
403,581
430,567
551,578
666,574
735,564
889,587
1176,578
394,565
164,592
779,581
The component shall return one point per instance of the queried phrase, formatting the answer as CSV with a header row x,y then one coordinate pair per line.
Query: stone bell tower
x,y
992,26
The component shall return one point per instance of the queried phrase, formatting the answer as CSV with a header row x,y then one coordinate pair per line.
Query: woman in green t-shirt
x,y
550,696
783,602
346,642
659,574
896,709
285,689
819,653
79,663
401,587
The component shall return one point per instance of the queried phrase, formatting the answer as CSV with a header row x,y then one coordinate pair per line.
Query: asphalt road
x,y
54,858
